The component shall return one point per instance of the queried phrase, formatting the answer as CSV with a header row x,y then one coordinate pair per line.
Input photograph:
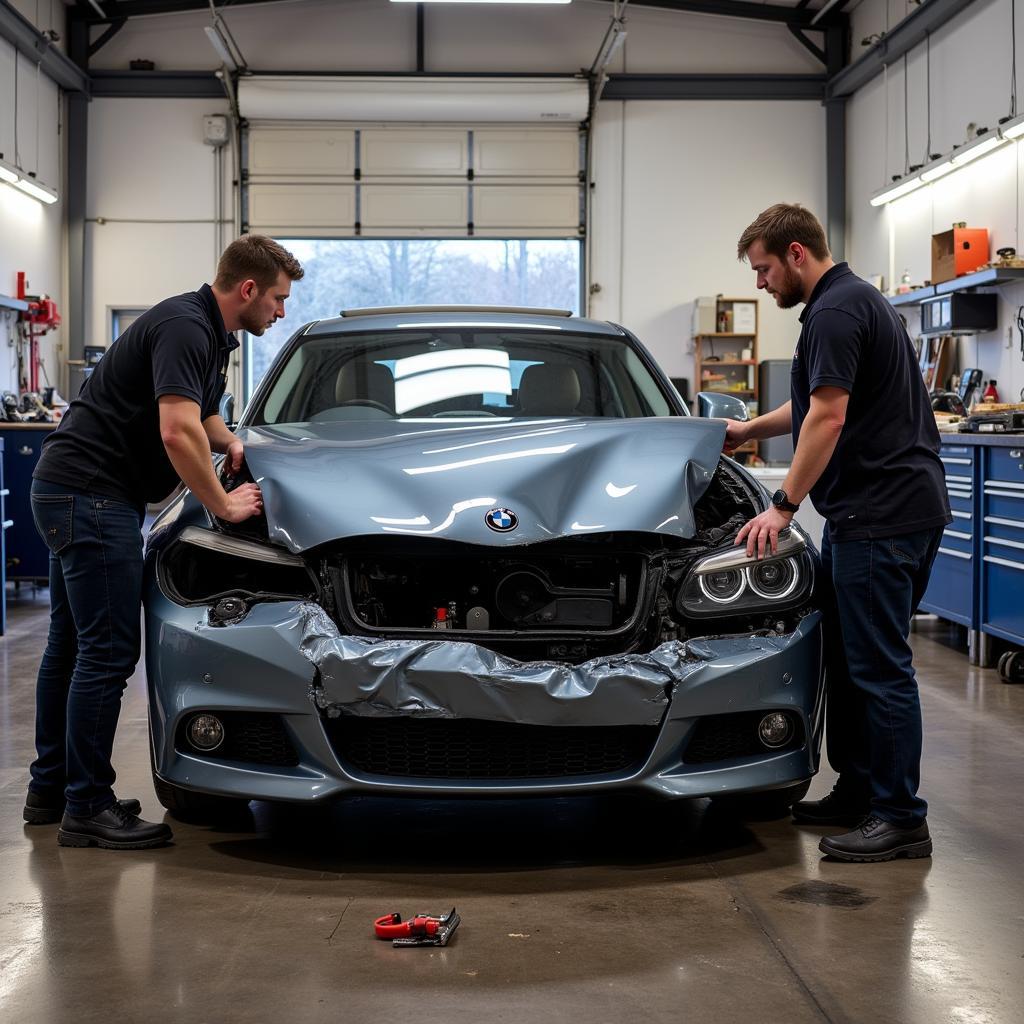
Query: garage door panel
x,y
298,153
414,153
414,206
526,207
526,154
302,205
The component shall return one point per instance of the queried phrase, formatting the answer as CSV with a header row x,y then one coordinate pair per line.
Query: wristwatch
x,y
780,500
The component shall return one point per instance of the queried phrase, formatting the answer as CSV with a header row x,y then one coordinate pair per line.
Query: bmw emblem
x,y
501,519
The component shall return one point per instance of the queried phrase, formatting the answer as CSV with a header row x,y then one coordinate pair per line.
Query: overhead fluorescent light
x,y
939,170
896,190
8,173
979,147
36,189
1013,129
219,43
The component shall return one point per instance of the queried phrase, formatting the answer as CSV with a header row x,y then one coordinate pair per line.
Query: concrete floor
x,y
571,910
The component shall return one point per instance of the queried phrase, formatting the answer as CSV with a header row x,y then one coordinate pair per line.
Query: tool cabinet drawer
x,y
1006,465
950,592
960,488
1002,587
1003,501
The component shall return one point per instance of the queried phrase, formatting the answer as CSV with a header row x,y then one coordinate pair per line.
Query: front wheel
x,y
765,806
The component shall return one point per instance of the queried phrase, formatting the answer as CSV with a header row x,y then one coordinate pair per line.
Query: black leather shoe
x,y
112,829
874,839
41,811
834,809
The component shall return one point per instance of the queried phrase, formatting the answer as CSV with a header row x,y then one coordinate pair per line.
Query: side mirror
x,y
226,409
719,406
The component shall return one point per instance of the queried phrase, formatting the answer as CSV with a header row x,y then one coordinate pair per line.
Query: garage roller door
x,y
332,180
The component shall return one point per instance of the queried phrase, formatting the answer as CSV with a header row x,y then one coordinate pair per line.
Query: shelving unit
x,y
738,376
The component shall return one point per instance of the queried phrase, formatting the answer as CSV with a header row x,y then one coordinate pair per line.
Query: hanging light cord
x,y
906,119
1013,58
928,90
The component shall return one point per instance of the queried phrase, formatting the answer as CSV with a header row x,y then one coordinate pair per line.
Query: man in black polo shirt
x,y
866,452
146,418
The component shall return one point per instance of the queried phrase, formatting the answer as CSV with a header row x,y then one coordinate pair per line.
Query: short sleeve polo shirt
x,y
885,477
108,441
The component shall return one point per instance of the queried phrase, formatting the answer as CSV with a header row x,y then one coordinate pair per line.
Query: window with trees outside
x,y
357,272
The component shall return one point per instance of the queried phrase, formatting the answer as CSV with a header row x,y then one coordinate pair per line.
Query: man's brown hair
x,y
257,257
781,224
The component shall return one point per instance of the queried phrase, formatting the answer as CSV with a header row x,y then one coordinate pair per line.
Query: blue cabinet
x,y
27,555
1001,610
950,592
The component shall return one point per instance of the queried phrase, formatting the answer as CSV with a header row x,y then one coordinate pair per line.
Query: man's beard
x,y
251,322
792,291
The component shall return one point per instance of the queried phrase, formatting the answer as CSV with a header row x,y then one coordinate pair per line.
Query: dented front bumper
x,y
286,664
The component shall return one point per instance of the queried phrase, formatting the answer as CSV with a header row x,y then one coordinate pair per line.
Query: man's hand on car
x,y
735,435
235,454
762,531
244,502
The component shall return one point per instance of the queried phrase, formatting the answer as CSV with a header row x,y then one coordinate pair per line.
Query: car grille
x,y
250,736
725,737
470,749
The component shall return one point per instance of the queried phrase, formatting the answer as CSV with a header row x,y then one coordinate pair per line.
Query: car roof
x,y
392,318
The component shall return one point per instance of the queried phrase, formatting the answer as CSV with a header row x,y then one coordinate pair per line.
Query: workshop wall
x,y
675,185
883,125
30,232
150,230
667,173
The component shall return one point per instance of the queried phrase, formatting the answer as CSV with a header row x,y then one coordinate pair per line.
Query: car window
x,y
471,373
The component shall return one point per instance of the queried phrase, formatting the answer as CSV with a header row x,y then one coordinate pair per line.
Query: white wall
x,y
970,84
30,233
675,185
150,228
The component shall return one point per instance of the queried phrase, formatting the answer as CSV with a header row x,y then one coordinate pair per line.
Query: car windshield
x,y
427,373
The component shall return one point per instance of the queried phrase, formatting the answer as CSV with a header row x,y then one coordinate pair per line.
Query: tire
x,y
200,808
764,806
189,806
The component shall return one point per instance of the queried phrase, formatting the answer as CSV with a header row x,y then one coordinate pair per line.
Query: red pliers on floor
x,y
421,930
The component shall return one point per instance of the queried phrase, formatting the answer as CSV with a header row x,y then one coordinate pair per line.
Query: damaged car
x,y
497,557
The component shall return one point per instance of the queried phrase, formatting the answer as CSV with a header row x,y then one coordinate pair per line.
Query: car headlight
x,y
729,582
203,566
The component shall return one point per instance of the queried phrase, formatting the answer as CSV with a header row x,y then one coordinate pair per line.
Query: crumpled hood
x,y
560,477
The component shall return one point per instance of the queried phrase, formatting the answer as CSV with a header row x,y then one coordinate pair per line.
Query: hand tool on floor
x,y
421,930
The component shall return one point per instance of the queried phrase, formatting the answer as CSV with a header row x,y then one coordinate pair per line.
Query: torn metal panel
x,y
324,482
441,678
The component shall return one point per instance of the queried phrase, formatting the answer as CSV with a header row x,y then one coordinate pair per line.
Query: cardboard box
x,y
956,252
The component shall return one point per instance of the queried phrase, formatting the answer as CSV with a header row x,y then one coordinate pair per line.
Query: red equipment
x,y
421,930
40,318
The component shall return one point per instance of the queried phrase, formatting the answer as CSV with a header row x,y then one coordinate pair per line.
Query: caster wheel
x,y
1012,669
1003,659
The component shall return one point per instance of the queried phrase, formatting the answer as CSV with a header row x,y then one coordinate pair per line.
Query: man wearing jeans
x,y
866,453
146,419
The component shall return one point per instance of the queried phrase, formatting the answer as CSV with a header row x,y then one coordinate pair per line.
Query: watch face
x,y
778,497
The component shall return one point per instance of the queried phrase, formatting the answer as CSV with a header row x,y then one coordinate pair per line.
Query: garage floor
x,y
605,911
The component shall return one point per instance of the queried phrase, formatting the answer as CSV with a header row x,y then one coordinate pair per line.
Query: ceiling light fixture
x,y
36,189
8,172
899,188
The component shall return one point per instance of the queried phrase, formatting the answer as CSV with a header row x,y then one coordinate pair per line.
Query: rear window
x,y
472,373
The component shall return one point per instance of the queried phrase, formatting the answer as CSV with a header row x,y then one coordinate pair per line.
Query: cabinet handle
x,y
958,554
8,523
957,533
956,462
1003,561
1004,543
999,521
1019,495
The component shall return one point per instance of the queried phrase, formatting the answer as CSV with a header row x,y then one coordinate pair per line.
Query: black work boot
x,y
874,839
112,829
39,810
835,809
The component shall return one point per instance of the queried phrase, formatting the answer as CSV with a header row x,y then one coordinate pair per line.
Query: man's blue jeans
x,y
94,640
869,591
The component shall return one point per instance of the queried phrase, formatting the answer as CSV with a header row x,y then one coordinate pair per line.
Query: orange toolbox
x,y
959,251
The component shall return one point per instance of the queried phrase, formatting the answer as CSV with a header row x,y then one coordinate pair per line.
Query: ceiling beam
x,y
141,8
910,32
798,16
714,87
31,43
157,84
